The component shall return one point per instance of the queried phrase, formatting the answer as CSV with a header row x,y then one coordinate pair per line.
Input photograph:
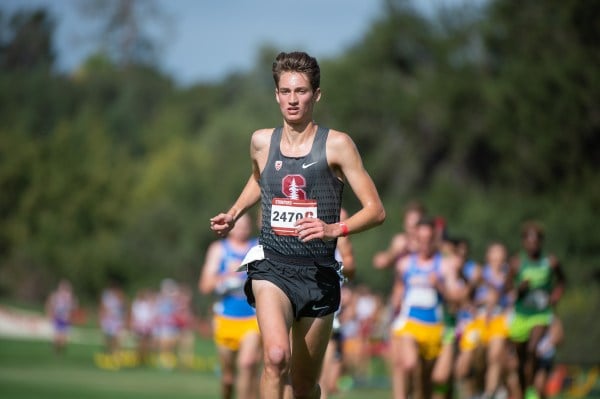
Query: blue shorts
x,y
61,325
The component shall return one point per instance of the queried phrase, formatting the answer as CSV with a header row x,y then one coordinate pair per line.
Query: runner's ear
x,y
317,95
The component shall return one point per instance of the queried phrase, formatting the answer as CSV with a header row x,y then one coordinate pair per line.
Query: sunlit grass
x,y
30,369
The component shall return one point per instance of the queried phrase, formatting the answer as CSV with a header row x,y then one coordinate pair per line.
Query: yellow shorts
x,y
480,331
352,346
427,336
230,331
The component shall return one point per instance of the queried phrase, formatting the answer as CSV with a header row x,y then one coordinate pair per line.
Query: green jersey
x,y
539,274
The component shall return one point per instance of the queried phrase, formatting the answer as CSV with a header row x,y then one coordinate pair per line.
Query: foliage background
x,y
488,115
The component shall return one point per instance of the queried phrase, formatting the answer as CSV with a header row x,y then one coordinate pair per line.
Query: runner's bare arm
x,y
250,195
208,277
386,258
222,223
560,279
343,155
344,159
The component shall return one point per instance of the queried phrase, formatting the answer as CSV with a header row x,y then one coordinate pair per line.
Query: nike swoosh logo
x,y
308,165
319,307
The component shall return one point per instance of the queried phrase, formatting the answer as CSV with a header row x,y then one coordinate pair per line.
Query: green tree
x,y
126,29
542,78
26,41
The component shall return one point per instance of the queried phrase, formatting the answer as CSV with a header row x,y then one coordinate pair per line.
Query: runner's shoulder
x,y
261,138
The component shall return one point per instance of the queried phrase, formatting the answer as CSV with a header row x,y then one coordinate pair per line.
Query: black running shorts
x,y
313,290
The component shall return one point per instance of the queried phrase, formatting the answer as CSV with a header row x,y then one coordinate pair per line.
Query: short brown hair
x,y
415,206
297,61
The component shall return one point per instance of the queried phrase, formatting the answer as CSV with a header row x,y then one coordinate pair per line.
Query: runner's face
x,y
496,255
426,239
532,242
242,229
296,97
411,218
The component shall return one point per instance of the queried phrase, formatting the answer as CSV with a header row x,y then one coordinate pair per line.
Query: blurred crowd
x,y
461,327
452,326
159,324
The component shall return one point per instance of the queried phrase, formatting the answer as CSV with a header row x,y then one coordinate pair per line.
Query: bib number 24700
x,y
285,212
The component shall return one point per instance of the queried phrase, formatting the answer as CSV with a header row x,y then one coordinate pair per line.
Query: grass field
x,y
29,369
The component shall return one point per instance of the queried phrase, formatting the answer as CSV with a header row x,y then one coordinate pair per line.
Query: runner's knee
x,y
410,363
494,356
249,359
462,368
227,377
276,359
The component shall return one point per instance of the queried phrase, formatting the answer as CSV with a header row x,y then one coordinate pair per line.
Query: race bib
x,y
285,212
421,297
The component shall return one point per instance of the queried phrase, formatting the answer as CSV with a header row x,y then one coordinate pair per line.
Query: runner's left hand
x,y
313,228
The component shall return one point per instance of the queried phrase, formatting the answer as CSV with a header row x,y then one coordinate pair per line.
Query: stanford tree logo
x,y
292,186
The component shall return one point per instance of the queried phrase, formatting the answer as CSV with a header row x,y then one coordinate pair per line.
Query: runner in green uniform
x,y
539,282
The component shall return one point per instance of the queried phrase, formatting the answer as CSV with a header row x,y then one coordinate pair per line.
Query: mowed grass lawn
x,y
31,370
